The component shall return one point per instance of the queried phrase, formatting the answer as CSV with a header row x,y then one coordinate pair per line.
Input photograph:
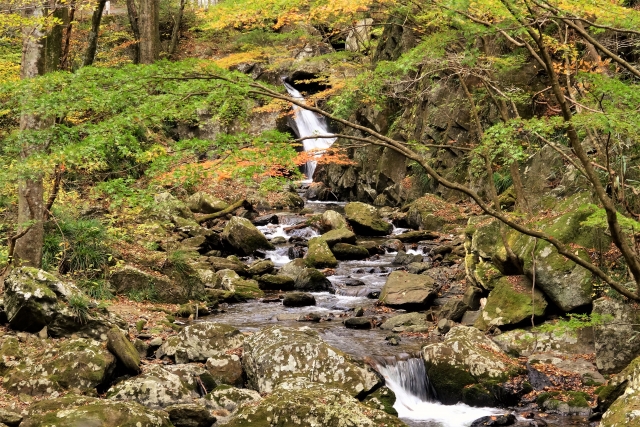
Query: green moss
x,y
477,395
140,325
578,399
449,382
382,399
543,397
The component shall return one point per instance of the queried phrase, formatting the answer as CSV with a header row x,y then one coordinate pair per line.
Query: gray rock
x,y
358,323
298,299
226,400
403,258
527,342
219,263
130,279
274,282
190,415
198,342
445,325
311,280
393,245
169,208
404,289
472,297
616,340
12,419
418,267
122,348
261,267
339,235
407,320
416,236
345,251
333,220
453,310
204,203
319,255
226,369
365,220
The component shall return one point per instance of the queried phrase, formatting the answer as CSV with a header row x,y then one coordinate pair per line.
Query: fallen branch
x,y
237,205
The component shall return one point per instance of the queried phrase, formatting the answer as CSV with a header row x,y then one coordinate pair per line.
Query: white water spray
x,y
415,398
309,123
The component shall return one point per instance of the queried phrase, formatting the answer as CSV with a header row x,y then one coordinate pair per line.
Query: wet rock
x,y
358,323
121,347
261,267
383,399
304,354
411,290
408,322
78,365
298,299
242,289
565,403
340,235
278,240
311,280
198,342
393,245
272,282
509,303
304,400
204,203
345,251
266,219
226,369
332,220
353,282
190,415
465,364
244,236
403,258
319,255
416,236
495,420
296,251
219,263
616,340
365,220
372,247
74,411
155,388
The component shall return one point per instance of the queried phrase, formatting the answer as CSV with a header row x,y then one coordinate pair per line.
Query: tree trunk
x,y
149,45
92,46
64,62
41,51
176,29
132,12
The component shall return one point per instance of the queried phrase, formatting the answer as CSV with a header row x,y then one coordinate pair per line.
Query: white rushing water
x,y
309,123
415,398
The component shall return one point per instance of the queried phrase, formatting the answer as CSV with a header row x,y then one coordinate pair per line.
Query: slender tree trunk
x,y
64,62
41,51
132,12
149,45
92,46
176,29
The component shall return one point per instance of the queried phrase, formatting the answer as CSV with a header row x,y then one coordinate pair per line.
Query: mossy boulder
x,y
298,299
430,212
190,415
345,251
365,220
565,403
620,398
510,302
383,399
155,388
10,353
226,369
466,357
319,255
219,263
311,404
276,354
311,280
616,340
129,280
332,220
169,208
409,322
78,365
340,235
198,342
243,289
204,203
263,266
275,282
123,349
624,412
243,236
74,411
408,290
525,342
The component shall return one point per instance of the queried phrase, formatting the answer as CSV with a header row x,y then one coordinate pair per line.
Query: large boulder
x,y
168,208
305,279
407,322
520,342
333,220
34,299
155,388
311,404
319,255
408,290
198,342
467,364
123,349
205,203
226,369
339,235
276,354
510,302
365,220
243,289
620,398
130,280
243,236
74,411
430,212
616,339
78,365
345,251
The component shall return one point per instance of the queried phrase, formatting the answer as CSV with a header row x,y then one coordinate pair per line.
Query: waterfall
x,y
308,123
416,398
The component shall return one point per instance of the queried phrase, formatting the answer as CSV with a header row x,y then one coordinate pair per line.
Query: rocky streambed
x,y
327,318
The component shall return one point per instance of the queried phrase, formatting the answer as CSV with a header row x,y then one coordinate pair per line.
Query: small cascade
x,y
416,400
308,123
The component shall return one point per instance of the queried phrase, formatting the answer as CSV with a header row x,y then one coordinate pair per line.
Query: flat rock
x,y
405,289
